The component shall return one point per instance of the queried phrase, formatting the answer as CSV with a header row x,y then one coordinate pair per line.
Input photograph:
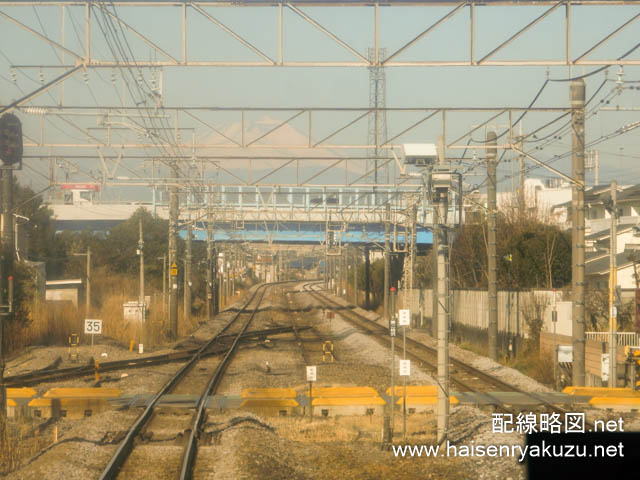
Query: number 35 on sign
x,y
92,327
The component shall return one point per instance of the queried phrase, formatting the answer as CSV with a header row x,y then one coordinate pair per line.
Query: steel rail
x,y
49,374
191,448
114,466
381,332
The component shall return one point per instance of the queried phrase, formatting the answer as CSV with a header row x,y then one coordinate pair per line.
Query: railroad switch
x,y
74,341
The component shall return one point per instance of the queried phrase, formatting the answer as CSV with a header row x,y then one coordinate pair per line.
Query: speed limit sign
x,y
92,326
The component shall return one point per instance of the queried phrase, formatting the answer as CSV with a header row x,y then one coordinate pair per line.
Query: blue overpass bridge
x,y
280,215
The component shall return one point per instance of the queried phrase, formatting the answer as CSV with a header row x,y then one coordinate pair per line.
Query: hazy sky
x,y
341,86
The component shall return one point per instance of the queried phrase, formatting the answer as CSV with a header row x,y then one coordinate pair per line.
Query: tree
x,y
532,253
35,224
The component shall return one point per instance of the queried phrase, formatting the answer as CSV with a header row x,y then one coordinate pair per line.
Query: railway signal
x,y
11,146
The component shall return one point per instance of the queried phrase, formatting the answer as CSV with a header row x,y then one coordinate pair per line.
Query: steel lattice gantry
x,y
112,135
573,53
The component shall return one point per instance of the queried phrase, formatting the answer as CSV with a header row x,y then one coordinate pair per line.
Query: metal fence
x,y
624,338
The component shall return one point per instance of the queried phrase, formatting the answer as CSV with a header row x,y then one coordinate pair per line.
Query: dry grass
x,y
349,428
535,365
51,323
18,441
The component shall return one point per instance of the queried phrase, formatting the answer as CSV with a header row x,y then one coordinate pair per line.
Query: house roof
x,y
593,256
599,193
622,227
630,194
601,265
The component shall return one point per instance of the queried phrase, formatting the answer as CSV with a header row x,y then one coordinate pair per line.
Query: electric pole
x,y
387,262
87,296
577,95
434,282
210,263
6,269
412,254
441,202
521,192
343,273
355,275
367,278
164,290
11,149
87,299
491,245
141,302
613,280
173,254
187,276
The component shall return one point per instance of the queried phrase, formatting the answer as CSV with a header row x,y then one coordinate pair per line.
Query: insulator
x,y
85,74
41,77
113,76
140,77
12,72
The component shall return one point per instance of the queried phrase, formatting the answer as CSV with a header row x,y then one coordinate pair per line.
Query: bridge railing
x,y
310,198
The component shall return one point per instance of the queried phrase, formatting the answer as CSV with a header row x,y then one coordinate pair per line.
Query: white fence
x,y
624,338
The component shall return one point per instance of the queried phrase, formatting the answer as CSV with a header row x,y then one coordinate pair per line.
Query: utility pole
x,y
343,273
6,269
491,245
143,308
11,149
326,270
164,290
440,193
87,297
367,278
412,254
210,263
216,279
434,282
613,280
387,262
355,275
223,282
173,254
577,95
521,193
187,276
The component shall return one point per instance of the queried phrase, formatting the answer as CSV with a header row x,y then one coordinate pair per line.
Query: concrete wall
x,y
470,308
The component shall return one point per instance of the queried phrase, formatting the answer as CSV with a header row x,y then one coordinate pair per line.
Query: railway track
x,y
144,421
463,377
311,342
52,373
